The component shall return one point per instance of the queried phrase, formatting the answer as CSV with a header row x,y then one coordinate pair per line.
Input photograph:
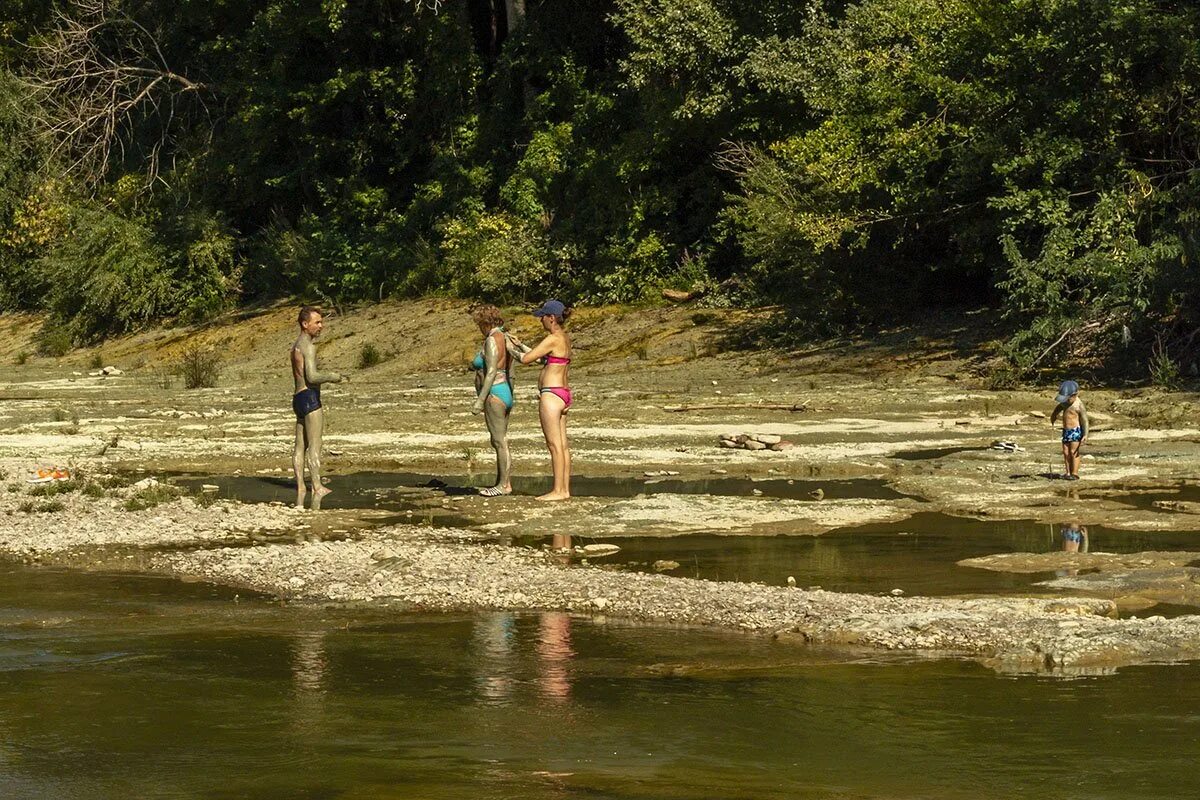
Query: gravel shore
x,y
422,569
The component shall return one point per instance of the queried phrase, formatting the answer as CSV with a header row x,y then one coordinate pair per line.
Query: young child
x,y
1074,425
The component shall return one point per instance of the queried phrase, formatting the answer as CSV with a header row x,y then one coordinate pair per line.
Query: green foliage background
x,y
852,162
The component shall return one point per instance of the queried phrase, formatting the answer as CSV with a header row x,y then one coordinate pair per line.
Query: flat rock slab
x,y
1049,562
1175,585
688,513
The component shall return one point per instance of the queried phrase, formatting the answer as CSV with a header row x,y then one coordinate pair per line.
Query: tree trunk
x,y
515,11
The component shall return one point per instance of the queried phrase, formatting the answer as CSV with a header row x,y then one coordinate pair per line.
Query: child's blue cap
x,y
1065,391
551,308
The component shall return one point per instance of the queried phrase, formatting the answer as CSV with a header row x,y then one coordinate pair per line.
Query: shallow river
x,y
118,686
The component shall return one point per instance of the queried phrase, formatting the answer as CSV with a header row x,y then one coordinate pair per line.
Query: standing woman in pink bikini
x,y
554,393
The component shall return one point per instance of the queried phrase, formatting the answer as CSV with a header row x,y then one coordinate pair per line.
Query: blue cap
x,y
551,308
1067,389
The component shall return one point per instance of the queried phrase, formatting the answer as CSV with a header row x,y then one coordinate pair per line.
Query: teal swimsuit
x,y
500,387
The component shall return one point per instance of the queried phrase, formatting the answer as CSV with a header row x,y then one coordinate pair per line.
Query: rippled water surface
x,y
118,687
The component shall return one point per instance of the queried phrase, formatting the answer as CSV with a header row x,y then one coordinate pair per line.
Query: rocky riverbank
x,y
874,438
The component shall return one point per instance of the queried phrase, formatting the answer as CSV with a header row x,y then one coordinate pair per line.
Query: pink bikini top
x,y
557,360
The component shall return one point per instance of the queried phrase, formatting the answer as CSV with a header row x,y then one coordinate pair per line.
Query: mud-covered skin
x,y
309,431
495,358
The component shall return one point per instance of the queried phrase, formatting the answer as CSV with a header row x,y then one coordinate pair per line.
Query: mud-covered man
x,y
306,403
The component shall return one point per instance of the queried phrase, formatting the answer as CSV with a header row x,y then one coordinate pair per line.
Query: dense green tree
x,y
854,161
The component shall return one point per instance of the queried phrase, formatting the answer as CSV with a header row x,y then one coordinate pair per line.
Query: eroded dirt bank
x,y
656,391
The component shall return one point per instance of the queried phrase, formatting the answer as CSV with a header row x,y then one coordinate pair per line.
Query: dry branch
x,y
794,407
100,78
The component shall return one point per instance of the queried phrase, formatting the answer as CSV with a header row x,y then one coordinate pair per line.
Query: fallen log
x,y
680,296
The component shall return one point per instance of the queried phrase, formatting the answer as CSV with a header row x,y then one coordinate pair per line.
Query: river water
x,y
122,686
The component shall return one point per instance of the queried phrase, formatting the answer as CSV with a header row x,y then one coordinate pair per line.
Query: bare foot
x,y
551,496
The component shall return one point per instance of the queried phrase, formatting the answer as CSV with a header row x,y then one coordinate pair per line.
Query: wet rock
x,y
599,550
1178,505
665,565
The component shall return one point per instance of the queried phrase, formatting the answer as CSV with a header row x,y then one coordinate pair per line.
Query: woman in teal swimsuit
x,y
494,395
554,392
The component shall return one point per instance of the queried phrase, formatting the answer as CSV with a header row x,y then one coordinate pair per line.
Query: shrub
x,y
53,340
199,368
151,496
96,362
1164,370
108,275
369,356
22,357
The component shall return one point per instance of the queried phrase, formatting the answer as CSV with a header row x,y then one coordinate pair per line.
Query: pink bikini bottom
x,y
561,392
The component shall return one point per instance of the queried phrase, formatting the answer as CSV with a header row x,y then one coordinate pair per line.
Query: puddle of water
x,y
917,555
1187,493
387,490
138,687
935,452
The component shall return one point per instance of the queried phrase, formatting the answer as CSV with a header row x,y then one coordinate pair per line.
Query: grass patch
x,y
97,361
56,487
200,368
42,507
151,496
22,357
369,356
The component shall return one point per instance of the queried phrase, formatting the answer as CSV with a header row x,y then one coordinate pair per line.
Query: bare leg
x,y
314,430
496,415
298,464
550,411
1075,459
566,451
1067,457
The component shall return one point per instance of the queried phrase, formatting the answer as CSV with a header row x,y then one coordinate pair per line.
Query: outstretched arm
x,y
491,358
311,376
1058,409
515,346
1083,421
543,349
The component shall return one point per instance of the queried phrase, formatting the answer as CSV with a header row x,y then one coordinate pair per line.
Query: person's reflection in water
x,y
494,634
560,547
555,653
1074,540
309,667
